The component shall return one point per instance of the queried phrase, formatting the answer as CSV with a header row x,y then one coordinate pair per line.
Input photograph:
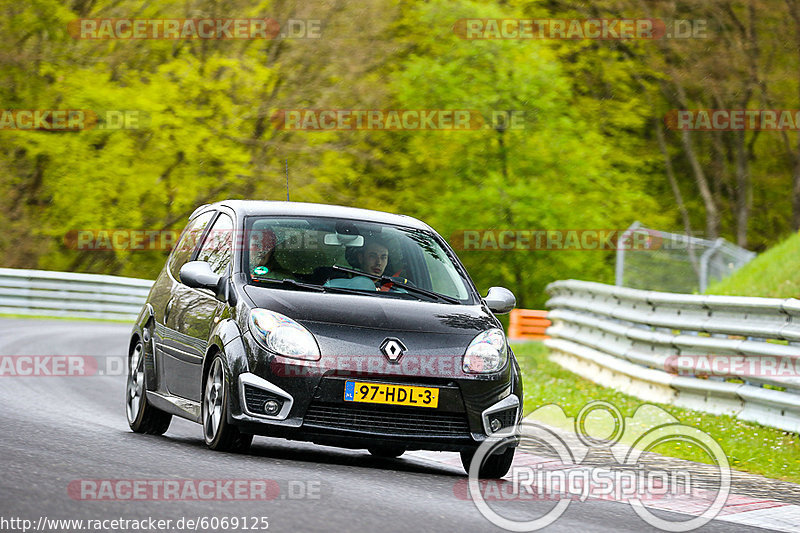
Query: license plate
x,y
359,391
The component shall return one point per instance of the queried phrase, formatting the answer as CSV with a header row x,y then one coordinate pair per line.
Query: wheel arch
x,y
145,322
226,339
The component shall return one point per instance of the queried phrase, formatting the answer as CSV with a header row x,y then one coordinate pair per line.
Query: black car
x,y
329,324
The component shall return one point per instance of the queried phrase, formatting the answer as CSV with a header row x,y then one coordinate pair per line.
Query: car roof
x,y
266,208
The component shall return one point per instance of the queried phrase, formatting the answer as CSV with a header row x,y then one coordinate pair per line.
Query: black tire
x,y
142,417
218,434
494,466
387,452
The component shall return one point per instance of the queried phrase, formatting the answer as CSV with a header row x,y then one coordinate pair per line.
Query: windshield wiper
x,y
310,286
411,288
293,283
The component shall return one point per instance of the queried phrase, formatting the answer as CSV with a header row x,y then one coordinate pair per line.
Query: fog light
x,y
271,407
495,425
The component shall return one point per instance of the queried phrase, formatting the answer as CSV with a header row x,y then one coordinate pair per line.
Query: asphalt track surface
x,y
58,430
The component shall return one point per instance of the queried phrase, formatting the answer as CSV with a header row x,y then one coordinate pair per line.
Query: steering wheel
x,y
390,286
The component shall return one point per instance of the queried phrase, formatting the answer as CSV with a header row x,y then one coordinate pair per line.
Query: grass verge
x,y
772,274
749,447
71,318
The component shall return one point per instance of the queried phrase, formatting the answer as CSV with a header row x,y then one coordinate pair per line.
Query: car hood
x,y
373,312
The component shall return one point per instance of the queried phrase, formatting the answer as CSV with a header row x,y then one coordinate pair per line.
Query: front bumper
x,y
313,409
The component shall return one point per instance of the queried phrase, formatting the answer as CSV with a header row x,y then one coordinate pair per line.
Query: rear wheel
x,y
218,433
494,466
387,452
142,417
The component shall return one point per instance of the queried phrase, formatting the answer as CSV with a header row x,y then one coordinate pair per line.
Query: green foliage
x,y
585,156
555,171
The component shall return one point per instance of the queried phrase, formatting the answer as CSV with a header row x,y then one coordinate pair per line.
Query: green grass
x,y
772,274
748,446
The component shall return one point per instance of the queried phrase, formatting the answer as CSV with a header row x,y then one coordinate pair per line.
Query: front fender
x,y
143,318
516,383
226,338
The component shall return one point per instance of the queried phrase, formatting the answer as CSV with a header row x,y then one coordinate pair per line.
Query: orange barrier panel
x,y
527,325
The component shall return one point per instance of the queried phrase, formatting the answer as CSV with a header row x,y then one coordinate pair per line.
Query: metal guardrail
x,y
631,339
67,294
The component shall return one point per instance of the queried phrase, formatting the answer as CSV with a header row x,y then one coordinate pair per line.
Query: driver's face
x,y
374,258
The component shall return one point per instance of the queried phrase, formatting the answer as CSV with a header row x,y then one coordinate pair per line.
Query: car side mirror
x,y
198,275
500,300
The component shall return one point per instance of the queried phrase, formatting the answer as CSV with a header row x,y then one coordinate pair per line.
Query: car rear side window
x,y
188,242
216,249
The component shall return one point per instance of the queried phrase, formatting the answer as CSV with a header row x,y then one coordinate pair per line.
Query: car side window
x,y
188,242
216,249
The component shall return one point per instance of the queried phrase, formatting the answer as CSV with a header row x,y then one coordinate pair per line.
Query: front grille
x,y
386,421
255,398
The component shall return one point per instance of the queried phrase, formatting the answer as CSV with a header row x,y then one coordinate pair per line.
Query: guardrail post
x,y
704,260
619,273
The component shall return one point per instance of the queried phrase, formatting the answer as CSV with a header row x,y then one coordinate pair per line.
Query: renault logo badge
x,y
393,349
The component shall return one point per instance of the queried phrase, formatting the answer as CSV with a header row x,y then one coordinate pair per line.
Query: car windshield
x,y
342,255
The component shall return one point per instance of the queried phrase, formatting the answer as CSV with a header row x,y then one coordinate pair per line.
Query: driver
x,y
373,257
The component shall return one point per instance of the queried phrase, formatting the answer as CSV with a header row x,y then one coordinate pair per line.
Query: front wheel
x,y
494,466
218,433
142,417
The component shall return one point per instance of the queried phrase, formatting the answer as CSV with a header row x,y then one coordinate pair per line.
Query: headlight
x,y
486,353
283,335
